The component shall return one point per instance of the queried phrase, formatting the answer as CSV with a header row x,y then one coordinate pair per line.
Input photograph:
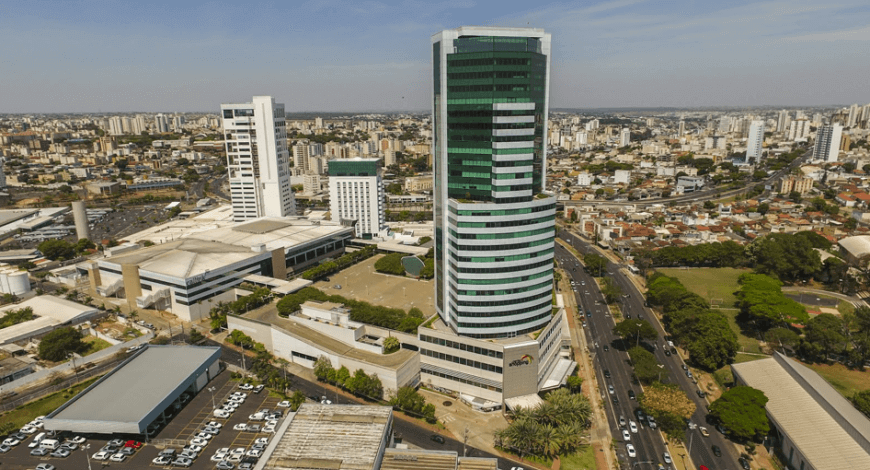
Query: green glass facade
x,y
493,231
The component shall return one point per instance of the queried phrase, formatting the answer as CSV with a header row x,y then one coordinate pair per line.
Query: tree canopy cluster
x,y
16,316
705,333
669,405
727,254
259,297
788,257
360,383
596,264
407,399
558,426
391,264
360,311
760,299
741,411
59,343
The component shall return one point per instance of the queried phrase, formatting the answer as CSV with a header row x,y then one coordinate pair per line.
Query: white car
x,y
204,435
197,441
269,429
101,455
258,416
625,435
221,414
214,424
630,449
262,440
235,458
11,442
284,404
667,457
240,427
218,457
238,451
246,386
196,449
633,426
119,457
36,424
240,394
254,453
29,429
78,440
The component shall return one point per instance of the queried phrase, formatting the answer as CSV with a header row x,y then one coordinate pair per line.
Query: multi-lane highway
x,y
610,359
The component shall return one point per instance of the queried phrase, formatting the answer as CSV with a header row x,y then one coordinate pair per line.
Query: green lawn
x,y
845,380
716,283
747,358
45,405
747,343
583,459
97,344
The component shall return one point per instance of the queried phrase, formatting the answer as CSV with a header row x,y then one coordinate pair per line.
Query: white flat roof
x,y
334,437
50,311
810,412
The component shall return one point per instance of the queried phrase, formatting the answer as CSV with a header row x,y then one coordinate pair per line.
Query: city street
x,y
649,443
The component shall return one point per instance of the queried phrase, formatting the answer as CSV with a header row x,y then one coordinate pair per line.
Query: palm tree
x,y
297,399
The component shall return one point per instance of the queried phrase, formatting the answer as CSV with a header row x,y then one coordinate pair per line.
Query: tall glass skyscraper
x,y
494,226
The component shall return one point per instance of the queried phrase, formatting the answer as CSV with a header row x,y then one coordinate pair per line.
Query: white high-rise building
x,y
624,137
754,142
798,129
356,196
828,143
258,161
161,124
300,155
682,128
854,114
782,121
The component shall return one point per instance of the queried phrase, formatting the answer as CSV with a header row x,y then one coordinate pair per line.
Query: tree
x,y
785,256
761,299
741,411
646,367
825,331
861,400
669,405
57,249
391,264
763,208
635,329
296,400
59,343
391,344
610,290
712,343
574,383
322,367
595,264
781,338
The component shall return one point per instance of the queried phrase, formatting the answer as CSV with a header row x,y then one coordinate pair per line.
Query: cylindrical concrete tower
x,y
81,218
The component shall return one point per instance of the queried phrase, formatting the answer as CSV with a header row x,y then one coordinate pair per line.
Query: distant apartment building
x,y
754,142
585,179
792,183
799,129
827,146
310,184
161,124
257,159
715,142
624,137
356,196
621,176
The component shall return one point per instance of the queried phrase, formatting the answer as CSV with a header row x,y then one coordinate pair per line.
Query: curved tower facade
x,y
494,226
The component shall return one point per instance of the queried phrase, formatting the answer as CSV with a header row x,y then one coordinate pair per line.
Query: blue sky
x,y
342,55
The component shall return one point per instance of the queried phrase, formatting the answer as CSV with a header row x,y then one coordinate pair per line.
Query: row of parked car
x,y
190,452
226,458
117,450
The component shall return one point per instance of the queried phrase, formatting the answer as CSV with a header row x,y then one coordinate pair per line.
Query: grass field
x,y
583,459
747,343
97,344
45,405
845,380
716,283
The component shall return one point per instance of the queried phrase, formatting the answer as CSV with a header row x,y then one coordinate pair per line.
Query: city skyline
x,y
336,55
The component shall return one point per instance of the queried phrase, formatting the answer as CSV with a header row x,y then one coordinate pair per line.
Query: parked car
x,y
4,448
60,453
12,442
240,427
119,457
704,431
284,404
743,463
632,426
259,388
717,451
161,460
219,413
181,462
45,466
101,455
224,465
39,452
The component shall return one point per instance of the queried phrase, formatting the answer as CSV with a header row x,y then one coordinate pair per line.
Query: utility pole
x,y
465,442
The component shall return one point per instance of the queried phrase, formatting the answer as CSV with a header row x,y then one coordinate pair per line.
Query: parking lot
x,y
177,433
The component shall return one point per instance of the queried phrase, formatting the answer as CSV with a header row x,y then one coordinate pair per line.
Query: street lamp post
x,y
212,389
87,454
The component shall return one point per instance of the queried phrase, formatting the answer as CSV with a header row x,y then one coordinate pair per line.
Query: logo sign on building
x,y
523,361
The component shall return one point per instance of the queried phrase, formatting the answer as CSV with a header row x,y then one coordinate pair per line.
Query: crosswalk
x,y
447,418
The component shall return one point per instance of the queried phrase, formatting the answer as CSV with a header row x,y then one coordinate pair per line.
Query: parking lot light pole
x,y
87,454
212,389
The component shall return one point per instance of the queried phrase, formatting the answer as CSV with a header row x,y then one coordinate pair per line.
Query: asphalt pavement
x,y
649,443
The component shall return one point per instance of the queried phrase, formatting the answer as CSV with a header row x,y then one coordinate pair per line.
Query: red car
x,y
133,444
703,467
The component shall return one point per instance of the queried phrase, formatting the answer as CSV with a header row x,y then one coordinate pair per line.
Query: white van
x,y
50,444
36,440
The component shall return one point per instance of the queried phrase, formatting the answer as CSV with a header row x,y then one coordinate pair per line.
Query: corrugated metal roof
x,y
133,390
827,430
